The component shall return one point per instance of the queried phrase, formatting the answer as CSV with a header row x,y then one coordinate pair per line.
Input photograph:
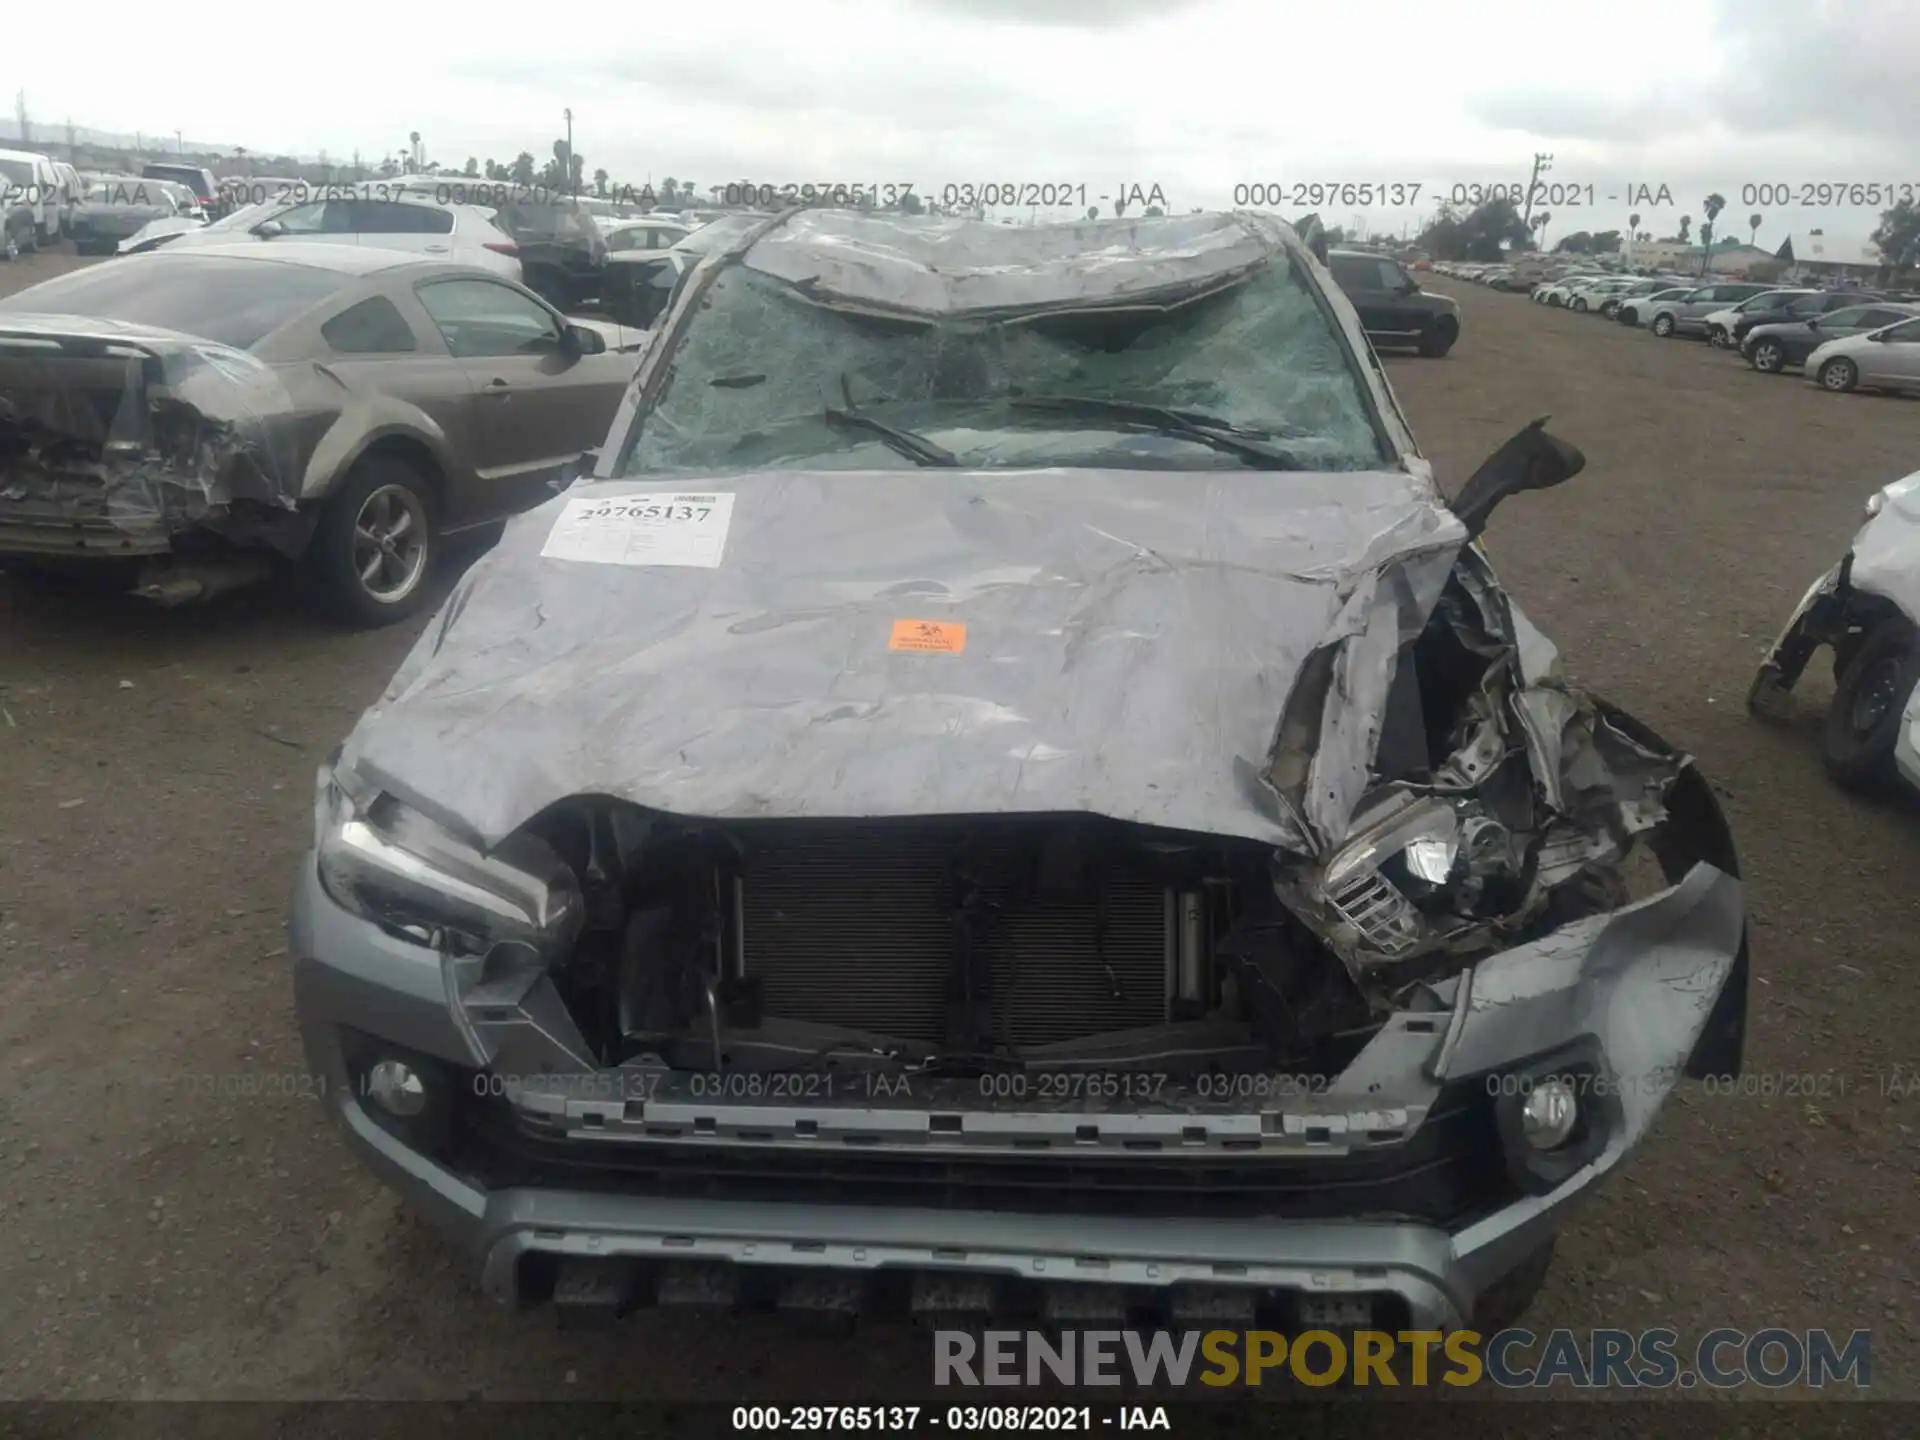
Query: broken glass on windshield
x,y
1259,355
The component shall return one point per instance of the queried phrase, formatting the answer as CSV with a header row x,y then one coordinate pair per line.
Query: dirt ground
x,y
166,1237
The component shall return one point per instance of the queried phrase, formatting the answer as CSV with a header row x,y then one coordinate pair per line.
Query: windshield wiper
x,y
1242,440
916,448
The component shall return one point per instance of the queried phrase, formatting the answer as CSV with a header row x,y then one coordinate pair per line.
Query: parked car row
x,y
1842,340
37,196
1867,608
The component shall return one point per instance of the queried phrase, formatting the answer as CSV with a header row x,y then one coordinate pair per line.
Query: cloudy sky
x,y
1195,96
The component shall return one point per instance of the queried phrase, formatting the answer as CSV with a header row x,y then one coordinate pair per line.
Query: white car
x,y
1868,609
1639,287
412,223
644,233
1562,289
25,175
1592,297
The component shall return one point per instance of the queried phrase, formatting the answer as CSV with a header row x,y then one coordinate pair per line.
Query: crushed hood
x,y
1130,640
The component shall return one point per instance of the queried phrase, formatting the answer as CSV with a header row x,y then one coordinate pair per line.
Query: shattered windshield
x,y
764,372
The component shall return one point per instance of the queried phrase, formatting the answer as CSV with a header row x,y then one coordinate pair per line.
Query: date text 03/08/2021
x,y
1248,1088
1137,195
947,1419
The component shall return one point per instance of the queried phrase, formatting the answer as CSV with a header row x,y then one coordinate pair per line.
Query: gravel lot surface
x,y
156,773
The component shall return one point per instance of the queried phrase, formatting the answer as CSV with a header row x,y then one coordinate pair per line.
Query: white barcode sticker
x,y
642,530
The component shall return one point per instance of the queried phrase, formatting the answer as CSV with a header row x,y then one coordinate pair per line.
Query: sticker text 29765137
x,y
643,529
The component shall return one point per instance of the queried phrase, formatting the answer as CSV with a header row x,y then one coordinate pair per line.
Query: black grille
x,y
1448,1173
854,924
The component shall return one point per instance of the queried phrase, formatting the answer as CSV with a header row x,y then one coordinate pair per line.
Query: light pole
x,y
568,112
1541,164
179,143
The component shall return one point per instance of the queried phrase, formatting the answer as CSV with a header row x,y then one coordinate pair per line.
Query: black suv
x,y
562,252
1394,310
196,178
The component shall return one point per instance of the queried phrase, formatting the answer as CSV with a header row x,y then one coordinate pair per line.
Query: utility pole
x,y
1541,164
20,114
570,185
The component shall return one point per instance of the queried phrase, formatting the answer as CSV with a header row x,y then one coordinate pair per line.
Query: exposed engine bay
x,y
960,947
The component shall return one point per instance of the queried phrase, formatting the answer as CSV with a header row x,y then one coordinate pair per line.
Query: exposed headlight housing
x,y
1412,871
393,866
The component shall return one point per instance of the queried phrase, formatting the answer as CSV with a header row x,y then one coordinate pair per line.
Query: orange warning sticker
x,y
944,637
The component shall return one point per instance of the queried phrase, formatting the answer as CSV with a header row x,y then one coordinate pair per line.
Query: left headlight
x,y
393,866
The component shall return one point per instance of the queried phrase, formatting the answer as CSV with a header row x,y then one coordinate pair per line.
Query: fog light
x,y
1549,1113
397,1089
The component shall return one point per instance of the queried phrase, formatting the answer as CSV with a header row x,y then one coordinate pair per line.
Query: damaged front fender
x,y
1461,796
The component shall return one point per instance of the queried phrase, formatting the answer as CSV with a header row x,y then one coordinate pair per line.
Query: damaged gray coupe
x,y
1011,789
189,422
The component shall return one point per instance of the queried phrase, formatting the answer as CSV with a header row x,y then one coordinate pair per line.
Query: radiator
x,y
850,923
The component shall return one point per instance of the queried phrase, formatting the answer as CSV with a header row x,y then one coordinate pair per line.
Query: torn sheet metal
x,y
1129,645
129,431
1538,788
951,266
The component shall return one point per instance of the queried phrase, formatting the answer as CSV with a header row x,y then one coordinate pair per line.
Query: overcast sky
x,y
1195,96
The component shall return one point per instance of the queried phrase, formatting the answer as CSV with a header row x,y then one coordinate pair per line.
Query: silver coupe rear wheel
x,y
390,543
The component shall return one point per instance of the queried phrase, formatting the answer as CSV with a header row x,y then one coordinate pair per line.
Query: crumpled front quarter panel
x,y
1886,552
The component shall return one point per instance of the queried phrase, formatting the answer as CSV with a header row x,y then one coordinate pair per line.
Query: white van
x,y
23,174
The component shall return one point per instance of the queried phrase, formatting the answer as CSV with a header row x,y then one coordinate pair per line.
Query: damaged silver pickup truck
x,y
1011,790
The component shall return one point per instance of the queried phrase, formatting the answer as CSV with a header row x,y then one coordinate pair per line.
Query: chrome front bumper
x,y
1655,990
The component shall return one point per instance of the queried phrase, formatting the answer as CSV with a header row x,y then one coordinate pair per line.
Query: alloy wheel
x,y
390,543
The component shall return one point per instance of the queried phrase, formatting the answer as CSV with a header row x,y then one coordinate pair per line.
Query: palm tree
x,y
413,153
600,182
668,188
1540,228
1753,227
472,166
1633,230
1686,224
1715,203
